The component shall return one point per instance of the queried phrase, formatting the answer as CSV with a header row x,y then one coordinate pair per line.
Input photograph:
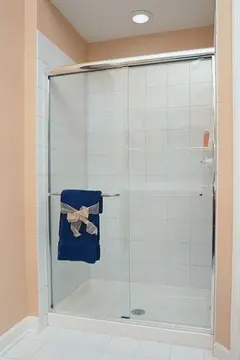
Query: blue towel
x,y
86,247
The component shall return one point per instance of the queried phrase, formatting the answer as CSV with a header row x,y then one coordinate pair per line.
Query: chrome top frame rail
x,y
103,195
132,61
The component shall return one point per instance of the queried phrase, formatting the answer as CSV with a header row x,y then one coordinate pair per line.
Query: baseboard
x,y
32,323
177,337
14,334
220,352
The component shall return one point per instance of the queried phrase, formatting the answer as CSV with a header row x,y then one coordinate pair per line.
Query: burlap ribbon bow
x,y
78,217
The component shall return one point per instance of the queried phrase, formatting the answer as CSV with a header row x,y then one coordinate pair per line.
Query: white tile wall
x,y
201,94
156,76
156,97
201,71
178,118
178,95
178,74
201,276
157,119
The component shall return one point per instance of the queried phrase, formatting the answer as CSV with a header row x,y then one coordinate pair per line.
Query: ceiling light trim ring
x,y
141,16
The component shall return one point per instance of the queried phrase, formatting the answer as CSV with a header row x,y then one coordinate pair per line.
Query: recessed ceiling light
x,y
141,16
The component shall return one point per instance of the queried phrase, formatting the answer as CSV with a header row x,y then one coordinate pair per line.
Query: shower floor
x,y
163,304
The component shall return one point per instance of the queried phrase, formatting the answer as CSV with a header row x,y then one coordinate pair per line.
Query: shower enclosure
x,y
138,130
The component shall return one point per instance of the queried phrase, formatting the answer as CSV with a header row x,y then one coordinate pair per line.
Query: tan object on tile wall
x,y
206,137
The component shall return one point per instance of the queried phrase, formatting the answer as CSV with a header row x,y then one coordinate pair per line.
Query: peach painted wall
x,y
225,170
17,27
30,76
57,29
152,44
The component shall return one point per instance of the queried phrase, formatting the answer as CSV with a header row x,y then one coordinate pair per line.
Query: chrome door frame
x,y
188,55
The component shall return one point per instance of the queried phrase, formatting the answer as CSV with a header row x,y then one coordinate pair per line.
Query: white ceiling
x,y
99,20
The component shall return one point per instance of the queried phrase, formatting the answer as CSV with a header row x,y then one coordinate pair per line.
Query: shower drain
x,y
138,312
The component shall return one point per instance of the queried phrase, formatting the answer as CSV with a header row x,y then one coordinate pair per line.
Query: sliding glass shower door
x,y
88,150
146,133
171,180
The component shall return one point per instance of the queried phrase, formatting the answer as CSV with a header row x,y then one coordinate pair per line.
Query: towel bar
x,y
103,195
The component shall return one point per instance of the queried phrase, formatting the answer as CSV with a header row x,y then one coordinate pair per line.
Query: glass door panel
x,y
170,109
88,150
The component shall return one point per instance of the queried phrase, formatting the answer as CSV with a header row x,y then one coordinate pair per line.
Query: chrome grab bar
x,y
103,195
